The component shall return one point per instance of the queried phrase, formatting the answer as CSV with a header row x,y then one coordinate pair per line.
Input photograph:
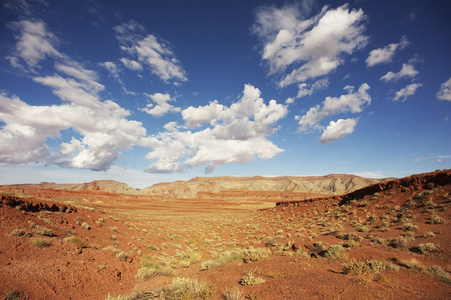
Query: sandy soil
x,y
58,244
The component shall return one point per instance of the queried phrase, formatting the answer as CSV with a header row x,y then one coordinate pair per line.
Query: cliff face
x,y
328,185
218,187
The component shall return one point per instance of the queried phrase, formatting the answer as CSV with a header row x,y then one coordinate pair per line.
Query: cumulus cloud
x,y
406,92
406,71
100,129
160,105
308,48
385,54
234,134
104,131
444,93
306,89
353,101
34,43
337,130
149,50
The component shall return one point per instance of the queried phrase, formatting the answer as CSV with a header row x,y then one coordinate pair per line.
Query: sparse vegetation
x,y
426,248
439,273
19,232
78,242
364,267
40,243
233,294
250,279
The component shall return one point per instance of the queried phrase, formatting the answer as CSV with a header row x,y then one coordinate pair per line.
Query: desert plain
x,y
325,237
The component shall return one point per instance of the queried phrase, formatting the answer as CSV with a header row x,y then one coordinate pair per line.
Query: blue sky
x,y
151,91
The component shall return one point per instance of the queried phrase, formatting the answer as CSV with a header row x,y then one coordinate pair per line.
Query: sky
x,y
157,91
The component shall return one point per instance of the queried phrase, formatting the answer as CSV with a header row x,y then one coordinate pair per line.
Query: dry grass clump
x,y
409,227
43,231
250,279
85,226
437,219
411,264
399,242
186,288
335,252
40,243
426,248
233,294
350,236
251,255
364,267
145,273
109,297
429,234
12,295
192,257
78,242
19,232
439,273
223,259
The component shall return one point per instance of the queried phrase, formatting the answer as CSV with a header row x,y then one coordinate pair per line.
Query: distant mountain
x,y
334,184
109,186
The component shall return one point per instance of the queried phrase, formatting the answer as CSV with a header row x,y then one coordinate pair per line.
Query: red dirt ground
x,y
123,229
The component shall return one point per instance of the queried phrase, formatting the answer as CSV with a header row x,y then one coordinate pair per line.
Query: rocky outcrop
x,y
34,206
334,184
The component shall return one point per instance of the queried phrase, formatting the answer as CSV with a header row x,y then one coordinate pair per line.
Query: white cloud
x,y
161,105
406,71
370,174
235,134
385,55
34,43
353,102
71,90
112,68
104,132
310,47
306,89
444,93
409,90
100,129
149,50
337,130
131,64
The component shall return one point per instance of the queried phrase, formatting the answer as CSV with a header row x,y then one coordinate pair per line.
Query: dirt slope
x,y
391,240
